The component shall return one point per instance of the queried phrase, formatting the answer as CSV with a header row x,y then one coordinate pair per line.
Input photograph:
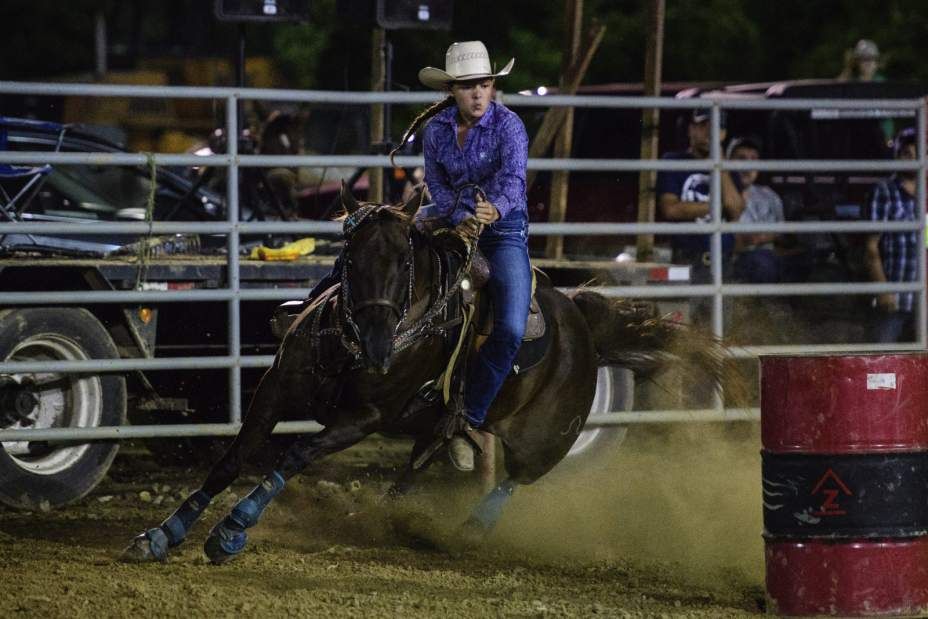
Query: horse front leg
x,y
418,462
263,414
228,538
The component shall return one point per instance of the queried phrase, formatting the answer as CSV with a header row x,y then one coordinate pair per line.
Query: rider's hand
x,y
486,212
469,228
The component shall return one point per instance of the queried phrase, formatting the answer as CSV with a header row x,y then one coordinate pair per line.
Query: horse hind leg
x,y
262,416
228,538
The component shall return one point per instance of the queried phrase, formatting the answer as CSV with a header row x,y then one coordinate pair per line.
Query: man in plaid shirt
x,y
893,256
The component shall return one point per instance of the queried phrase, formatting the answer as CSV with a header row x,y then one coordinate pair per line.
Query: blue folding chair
x,y
29,179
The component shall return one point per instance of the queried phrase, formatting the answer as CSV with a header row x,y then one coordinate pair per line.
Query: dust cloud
x,y
686,496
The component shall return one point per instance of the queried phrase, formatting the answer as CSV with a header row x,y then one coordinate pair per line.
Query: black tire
x,y
33,474
615,391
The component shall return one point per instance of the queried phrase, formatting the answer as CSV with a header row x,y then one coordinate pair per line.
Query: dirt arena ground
x,y
667,527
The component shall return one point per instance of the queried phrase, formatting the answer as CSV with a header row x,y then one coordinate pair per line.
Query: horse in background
x,y
357,358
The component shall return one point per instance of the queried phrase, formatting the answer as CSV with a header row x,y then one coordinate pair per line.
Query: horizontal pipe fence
x,y
234,294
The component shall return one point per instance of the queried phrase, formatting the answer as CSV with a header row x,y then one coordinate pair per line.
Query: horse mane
x,y
418,121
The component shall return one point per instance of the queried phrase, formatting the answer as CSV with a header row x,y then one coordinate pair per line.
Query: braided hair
x,y
419,120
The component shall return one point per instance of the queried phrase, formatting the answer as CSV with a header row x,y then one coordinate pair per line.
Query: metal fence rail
x,y
233,295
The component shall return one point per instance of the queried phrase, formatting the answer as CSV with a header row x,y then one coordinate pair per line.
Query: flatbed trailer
x,y
79,316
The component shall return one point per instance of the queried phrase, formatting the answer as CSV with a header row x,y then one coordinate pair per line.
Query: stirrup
x,y
472,436
463,430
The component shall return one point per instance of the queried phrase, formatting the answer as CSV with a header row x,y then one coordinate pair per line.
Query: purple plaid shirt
x,y
494,157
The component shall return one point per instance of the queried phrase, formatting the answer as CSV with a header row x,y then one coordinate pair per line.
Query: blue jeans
x,y
766,266
505,246
758,266
891,327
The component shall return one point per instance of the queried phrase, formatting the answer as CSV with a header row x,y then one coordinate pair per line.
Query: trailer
x,y
33,472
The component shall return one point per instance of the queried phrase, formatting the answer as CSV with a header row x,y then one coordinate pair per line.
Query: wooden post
x,y
650,120
555,115
573,19
378,72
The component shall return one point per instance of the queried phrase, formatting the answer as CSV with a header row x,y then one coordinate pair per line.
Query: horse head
x,y
378,275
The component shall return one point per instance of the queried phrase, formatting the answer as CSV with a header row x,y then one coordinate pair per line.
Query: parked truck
x,y
70,327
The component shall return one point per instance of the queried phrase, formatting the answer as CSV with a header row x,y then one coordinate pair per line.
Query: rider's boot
x,y
461,453
465,441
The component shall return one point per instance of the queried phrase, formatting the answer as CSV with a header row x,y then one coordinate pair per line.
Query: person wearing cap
x,y
861,63
476,151
893,256
684,196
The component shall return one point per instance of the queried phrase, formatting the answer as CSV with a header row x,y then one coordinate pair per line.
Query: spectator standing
x,y
893,256
862,63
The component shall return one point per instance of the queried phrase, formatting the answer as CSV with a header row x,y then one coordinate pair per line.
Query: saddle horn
x,y
348,200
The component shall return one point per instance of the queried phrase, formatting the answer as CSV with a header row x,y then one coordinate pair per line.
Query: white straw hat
x,y
467,60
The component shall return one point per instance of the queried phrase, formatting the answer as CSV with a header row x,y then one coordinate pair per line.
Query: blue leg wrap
x,y
177,525
247,511
158,543
488,512
228,538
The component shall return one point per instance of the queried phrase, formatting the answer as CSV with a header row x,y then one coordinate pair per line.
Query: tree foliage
x,y
705,40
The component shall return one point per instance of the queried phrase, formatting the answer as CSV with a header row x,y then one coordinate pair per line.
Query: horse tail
x,y
631,334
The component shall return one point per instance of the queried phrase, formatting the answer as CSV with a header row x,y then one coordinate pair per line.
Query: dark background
x,y
727,40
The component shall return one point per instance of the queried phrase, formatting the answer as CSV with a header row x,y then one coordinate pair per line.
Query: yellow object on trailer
x,y
290,251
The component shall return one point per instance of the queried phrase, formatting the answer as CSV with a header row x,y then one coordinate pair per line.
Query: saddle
x,y
536,339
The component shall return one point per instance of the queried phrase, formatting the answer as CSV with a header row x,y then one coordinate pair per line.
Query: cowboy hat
x,y
467,60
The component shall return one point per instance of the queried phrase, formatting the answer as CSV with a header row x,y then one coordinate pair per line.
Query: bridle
x,y
349,308
425,325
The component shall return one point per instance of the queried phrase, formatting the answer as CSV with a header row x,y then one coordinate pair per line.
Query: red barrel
x,y
845,483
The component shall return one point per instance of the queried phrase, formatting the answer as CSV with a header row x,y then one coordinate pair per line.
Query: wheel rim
x,y
602,404
64,401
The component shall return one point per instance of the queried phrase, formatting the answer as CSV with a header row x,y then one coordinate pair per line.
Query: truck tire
x,y
34,474
615,391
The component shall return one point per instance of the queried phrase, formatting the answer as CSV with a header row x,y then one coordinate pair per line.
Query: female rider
x,y
472,141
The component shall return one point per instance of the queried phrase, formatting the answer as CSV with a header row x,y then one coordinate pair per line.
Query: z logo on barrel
x,y
831,486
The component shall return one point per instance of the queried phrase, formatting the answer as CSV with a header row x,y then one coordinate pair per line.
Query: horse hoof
x,y
224,544
147,547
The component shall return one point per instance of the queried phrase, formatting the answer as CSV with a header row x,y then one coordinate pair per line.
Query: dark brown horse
x,y
356,359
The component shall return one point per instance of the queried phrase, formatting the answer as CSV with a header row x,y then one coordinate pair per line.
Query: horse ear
x,y
412,205
348,201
